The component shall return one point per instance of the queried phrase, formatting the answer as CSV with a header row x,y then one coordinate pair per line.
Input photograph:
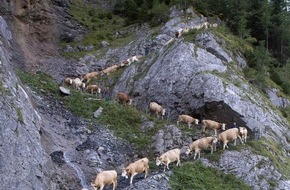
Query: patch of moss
x,y
19,115
190,36
234,43
273,183
2,89
215,156
273,151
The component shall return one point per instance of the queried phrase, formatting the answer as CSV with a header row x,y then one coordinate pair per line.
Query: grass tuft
x,y
19,115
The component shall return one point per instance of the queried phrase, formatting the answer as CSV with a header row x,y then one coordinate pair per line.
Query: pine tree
x,y
279,38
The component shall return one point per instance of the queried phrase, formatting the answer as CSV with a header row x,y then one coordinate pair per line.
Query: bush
x,y
102,15
92,13
276,77
94,20
159,13
109,15
280,75
286,88
2,89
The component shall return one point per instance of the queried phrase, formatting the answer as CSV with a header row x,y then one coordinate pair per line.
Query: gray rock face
x,y
167,138
43,146
250,168
276,100
156,181
208,42
255,170
24,162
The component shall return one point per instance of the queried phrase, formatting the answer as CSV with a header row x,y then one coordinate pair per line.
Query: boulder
x,y
64,90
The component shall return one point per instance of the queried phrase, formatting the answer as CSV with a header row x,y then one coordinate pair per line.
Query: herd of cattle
x,y
84,82
109,177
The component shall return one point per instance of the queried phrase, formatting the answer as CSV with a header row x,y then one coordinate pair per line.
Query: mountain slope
x,y
48,147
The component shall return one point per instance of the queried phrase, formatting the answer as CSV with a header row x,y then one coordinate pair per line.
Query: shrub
x,y
159,13
109,15
286,88
92,13
276,77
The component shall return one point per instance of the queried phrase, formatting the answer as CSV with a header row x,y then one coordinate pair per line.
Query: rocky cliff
x,y
24,162
46,147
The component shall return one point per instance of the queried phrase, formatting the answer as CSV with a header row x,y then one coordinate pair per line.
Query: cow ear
x,y
127,170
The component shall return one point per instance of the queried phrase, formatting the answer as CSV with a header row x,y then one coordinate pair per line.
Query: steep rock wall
x,y
38,27
24,162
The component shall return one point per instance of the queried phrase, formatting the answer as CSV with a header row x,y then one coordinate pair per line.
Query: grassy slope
x,y
197,176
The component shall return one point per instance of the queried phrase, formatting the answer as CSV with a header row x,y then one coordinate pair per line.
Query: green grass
x,y
194,175
215,156
120,42
126,122
39,82
81,104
